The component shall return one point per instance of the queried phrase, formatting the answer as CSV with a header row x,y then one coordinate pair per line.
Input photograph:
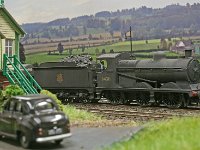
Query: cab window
x,y
102,65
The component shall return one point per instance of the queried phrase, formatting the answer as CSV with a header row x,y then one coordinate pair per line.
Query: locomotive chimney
x,y
188,53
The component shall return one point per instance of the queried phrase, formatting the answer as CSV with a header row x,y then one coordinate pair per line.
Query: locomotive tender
x,y
170,82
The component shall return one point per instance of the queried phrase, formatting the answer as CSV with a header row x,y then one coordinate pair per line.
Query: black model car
x,y
33,118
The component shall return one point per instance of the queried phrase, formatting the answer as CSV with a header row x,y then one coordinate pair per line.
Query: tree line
x,y
171,21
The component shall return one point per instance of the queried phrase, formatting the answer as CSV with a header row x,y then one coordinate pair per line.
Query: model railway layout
x,y
173,83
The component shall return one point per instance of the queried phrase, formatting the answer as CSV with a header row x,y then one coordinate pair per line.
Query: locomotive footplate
x,y
99,89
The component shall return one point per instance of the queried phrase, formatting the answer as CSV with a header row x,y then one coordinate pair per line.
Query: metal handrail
x,y
33,81
28,85
17,80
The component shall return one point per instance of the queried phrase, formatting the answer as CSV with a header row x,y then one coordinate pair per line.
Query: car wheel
x,y
57,142
24,141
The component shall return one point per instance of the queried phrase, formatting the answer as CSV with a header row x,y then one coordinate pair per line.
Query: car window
x,y
7,106
25,109
44,106
18,107
12,105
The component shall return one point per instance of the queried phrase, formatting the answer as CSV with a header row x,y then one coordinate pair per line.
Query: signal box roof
x,y
2,36
11,21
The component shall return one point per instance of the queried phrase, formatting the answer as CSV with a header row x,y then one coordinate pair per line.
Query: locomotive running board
x,y
145,89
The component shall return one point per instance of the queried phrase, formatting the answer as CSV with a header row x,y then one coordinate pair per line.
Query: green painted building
x,y
10,34
11,69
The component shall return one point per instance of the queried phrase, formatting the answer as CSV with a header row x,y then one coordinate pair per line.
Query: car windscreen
x,y
44,106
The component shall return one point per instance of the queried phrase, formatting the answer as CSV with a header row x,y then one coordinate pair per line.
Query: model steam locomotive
x,y
170,82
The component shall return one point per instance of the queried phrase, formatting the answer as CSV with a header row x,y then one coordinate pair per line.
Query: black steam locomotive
x,y
170,82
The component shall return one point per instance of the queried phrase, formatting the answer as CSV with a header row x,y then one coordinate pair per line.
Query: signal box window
x,y
9,47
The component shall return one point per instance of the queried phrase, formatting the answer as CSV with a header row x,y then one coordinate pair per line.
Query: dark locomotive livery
x,y
170,82
72,79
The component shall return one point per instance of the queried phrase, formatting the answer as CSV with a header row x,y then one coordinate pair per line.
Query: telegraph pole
x,y
131,39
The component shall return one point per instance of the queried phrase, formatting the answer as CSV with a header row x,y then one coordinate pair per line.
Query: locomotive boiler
x,y
161,81
164,70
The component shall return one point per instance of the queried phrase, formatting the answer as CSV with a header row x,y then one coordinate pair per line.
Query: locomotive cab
x,y
106,79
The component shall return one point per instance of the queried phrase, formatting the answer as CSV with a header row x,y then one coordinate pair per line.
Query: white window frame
x,y
9,47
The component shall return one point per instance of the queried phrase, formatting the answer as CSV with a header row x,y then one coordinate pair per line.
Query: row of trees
x,y
173,20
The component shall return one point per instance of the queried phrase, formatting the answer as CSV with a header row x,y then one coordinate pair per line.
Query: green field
x,y
117,47
42,57
125,46
175,134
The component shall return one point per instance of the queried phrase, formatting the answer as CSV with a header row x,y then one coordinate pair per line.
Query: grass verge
x,y
175,134
80,115
82,118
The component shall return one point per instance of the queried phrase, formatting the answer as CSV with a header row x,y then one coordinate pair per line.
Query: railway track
x,y
136,113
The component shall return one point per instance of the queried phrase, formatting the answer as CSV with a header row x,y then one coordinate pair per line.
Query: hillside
x,y
172,20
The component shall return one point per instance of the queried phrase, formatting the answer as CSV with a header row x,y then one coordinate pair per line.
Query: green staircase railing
x,y
18,74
